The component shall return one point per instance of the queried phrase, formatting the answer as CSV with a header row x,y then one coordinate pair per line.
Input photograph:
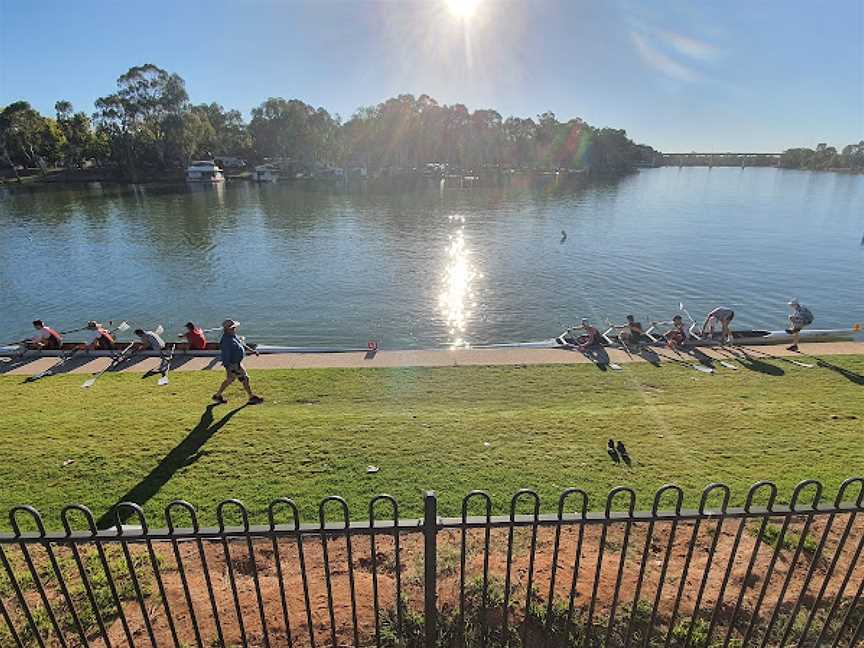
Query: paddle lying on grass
x,y
166,366
121,357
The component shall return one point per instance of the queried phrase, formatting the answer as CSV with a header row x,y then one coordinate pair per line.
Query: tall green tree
x,y
27,138
143,119
77,132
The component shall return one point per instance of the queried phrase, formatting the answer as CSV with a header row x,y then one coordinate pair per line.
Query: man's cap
x,y
92,324
230,323
794,302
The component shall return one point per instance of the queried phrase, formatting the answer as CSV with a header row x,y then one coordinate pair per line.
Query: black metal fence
x,y
763,575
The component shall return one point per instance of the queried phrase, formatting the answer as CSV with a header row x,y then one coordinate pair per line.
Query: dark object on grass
x,y
622,451
613,454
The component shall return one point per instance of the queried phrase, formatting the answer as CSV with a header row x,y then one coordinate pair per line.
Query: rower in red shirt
x,y
45,337
195,336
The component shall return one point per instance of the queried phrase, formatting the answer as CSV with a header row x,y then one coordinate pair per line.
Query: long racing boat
x,y
181,349
743,337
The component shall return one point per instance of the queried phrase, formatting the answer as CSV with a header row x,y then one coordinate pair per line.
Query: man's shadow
x,y
184,454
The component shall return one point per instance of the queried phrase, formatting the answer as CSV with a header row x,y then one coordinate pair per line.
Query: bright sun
x,y
463,9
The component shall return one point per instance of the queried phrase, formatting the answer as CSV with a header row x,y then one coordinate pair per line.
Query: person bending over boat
x,y
195,337
232,352
150,341
800,317
97,337
724,317
45,337
678,336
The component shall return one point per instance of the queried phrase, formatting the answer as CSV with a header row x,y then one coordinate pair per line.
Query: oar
x,y
167,362
117,360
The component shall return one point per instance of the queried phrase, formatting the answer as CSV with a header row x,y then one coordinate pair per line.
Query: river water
x,y
456,266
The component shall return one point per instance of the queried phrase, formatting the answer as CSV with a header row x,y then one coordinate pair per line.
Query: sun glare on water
x,y
463,9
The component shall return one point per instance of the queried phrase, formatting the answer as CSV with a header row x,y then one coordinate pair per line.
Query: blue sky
x,y
681,76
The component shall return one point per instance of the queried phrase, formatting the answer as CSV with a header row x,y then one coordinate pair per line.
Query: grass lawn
x,y
546,427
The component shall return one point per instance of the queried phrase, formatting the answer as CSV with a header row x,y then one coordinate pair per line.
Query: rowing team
x,y
232,350
99,337
632,334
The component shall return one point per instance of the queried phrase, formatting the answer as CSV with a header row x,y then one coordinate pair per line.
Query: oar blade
x,y
123,326
702,368
88,383
728,365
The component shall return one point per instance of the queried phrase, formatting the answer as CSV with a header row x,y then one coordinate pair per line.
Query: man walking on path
x,y
232,352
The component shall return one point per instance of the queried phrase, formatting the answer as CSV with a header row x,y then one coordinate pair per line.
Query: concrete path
x,y
418,358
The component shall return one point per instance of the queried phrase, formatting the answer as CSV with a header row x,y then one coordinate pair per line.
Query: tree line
x,y
825,157
148,124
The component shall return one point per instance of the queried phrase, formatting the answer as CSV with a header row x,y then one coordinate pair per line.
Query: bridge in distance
x,y
725,159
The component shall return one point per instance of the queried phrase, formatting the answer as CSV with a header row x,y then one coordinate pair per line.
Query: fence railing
x,y
762,575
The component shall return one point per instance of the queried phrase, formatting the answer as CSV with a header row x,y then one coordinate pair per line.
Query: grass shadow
x,y
755,364
848,374
176,363
14,363
181,455
702,357
70,365
650,356
597,355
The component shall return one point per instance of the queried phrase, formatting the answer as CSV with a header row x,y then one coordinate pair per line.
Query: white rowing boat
x,y
212,350
748,337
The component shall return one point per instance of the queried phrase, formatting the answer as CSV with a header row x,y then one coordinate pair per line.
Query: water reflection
x,y
304,267
457,299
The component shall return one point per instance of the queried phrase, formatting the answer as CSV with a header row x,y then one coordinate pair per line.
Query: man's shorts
x,y
237,370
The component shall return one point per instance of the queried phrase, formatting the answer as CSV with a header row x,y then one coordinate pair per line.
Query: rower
x,y
592,336
722,315
800,317
97,337
631,333
45,337
195,337
677,336
150,340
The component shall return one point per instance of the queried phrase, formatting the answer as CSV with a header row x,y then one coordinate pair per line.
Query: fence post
x,y
430,568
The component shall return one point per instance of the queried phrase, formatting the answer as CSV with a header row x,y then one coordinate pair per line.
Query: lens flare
x,y
463,9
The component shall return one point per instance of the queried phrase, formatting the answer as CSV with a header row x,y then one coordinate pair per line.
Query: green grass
x,y
546,427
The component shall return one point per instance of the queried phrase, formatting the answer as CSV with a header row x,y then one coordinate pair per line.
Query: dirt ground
x,y
689,582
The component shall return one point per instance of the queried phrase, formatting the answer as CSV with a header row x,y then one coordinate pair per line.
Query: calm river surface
x,y
429,269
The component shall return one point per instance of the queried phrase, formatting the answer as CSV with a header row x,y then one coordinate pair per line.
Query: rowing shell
x,y
212,350
753,338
